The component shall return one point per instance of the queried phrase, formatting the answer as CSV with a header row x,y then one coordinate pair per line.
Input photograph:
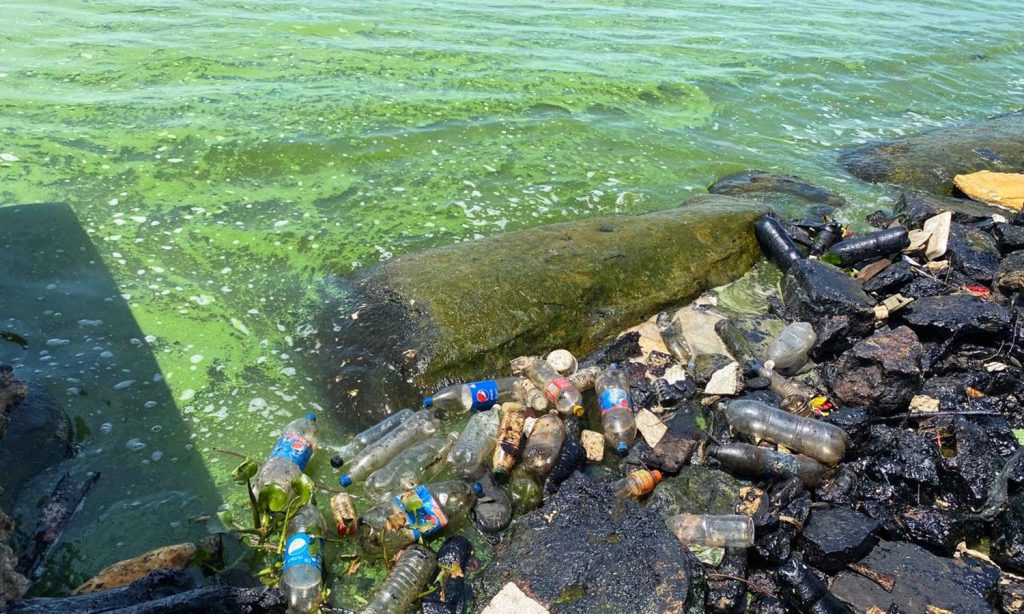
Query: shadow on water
x,y
85,348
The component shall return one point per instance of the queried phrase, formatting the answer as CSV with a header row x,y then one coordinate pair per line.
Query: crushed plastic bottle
x,y
530,395
475,446
873,245
543,445
510,437
617,419
776,242
423,511
819,440
726,531
474,396
302,573
422,424
343,509
372,434
407,469
584,378
559,390
752,460
272,484
637,484
789,350
415,568
796,398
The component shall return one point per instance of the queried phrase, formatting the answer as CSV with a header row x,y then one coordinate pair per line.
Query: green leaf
x,y
244,472
226,518
831,258
303,486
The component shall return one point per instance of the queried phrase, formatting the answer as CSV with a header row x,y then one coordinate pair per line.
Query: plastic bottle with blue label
x,y
474,396
302,576
470,455
421,512
617,419
421,425
272,484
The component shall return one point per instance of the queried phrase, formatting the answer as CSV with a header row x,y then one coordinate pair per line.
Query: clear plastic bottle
x,y
636,484
617,418
415,568
526,492
530,395
510,436
821,441
584,378
474,396
543,445
272,484
302,577
558,389
475,446
422,424
752,460
372,434
406,470
796,398
423,511
789,350
727,531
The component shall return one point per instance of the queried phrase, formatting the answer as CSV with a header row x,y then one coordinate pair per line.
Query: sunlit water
x,y
222,158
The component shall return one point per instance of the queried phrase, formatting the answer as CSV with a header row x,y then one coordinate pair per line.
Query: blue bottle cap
x,y
428,401
311,417
621,448
346,480
478,488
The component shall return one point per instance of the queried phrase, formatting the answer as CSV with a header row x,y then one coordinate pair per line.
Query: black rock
x,y
812,290
880,218
493,509
939,530
943,317
783,509
836,536
976,462
705,365
725,595
890,280
1008,536
671,453
805,591
922,579
620,350
835,335
921,287
762,185
881,372
841,488
916,207
582,537
1009,237
972,252
1011,596
897,454
570,460
1010,274
453,556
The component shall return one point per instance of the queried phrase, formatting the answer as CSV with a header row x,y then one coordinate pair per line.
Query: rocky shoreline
x,y
923,513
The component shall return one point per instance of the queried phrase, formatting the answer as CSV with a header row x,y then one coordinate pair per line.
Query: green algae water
x,y
213,161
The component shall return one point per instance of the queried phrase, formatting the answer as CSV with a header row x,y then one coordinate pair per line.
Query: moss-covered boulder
x,y
464,310
929,161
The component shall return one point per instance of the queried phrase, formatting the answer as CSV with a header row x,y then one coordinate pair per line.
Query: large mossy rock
x,y
929,161
465,310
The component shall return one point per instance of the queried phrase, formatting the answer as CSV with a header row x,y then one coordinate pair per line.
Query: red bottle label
x,y
555,388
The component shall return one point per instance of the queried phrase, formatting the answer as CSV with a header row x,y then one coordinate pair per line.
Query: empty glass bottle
x,y
420,512
789,350
819,440
637,484
559,390
543,445
752,460
510,436
372,434
474,396
617,418
379,453
415,568
272,484
727,531
475,446
302,572
407,469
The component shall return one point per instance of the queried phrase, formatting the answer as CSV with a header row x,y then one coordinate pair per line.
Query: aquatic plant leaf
x,y
244,472
303,486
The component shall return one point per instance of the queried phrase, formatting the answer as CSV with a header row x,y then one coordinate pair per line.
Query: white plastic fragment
x,y
593,445
650,426
938,226
725,381
563,361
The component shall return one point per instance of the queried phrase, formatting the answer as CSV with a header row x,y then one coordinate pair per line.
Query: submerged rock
x,y
881,372
469,308
561,556
930,161
772,186
921,580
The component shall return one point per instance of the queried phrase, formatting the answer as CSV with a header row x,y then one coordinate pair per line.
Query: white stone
x,y
650,426
512,600
725,381
938,226
593,445
563,361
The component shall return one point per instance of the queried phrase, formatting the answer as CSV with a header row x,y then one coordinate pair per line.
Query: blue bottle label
x,y
423,514
303,549
296,449
485,394
613,398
